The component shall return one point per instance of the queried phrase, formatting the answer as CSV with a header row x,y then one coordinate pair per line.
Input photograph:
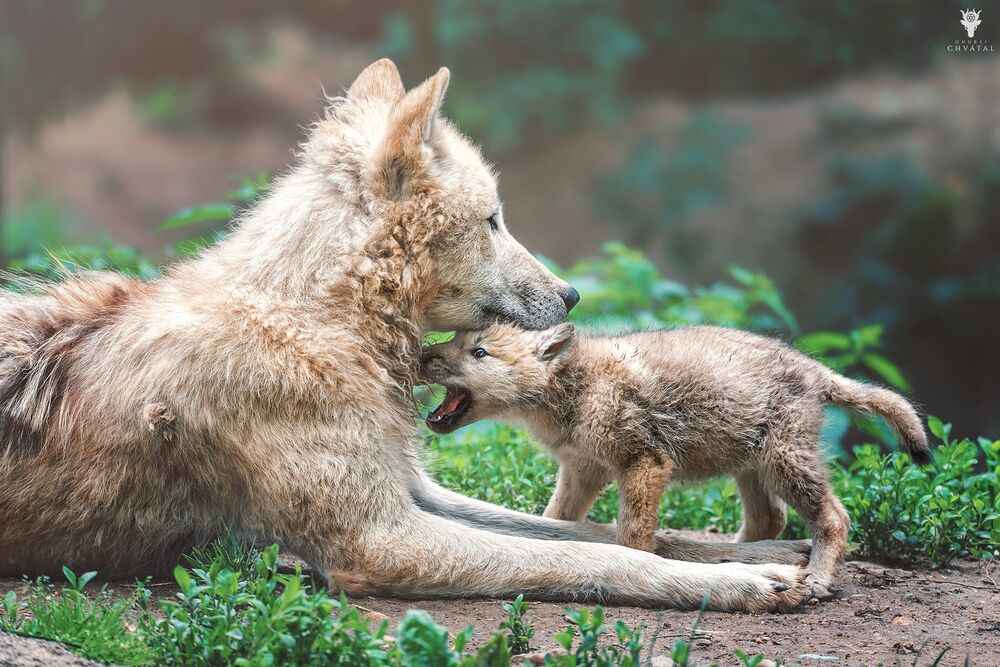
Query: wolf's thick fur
x,y
265,388
684,404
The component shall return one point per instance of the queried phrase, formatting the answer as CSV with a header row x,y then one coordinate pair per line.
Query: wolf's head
x,y
393,157
494,372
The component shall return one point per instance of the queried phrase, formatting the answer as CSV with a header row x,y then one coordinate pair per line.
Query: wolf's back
x,y
41,331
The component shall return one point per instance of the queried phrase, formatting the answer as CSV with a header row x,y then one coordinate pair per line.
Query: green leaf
x,y
183,579
218,212
820,342
887,370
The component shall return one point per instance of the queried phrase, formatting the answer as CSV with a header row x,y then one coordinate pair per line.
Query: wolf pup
x,y
687,404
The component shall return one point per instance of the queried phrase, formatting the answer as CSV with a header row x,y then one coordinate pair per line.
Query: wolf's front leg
x,y
641,489
434,498
417,554
576,490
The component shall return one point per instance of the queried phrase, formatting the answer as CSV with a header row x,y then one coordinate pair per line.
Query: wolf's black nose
x,y
571,298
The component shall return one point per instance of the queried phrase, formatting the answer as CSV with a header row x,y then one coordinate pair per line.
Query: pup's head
x,y
489,373
390,152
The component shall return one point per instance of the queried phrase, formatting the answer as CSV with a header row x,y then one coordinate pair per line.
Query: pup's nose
x,y
571,298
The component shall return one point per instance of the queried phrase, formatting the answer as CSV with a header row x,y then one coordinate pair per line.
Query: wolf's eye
x,y
492,220
479,353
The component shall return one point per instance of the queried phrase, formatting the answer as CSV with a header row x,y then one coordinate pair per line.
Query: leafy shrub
x,y
221,617
905,513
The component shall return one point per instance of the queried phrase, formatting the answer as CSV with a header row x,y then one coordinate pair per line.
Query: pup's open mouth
x,y
448,416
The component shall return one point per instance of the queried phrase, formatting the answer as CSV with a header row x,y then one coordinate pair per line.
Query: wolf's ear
x,y
415,116
412,125
378,81
556,342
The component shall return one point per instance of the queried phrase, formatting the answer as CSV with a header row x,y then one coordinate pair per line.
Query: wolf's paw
x,y
768,588
783,587
818,587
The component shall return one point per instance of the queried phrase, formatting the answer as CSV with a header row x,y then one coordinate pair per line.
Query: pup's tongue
x,y
452,400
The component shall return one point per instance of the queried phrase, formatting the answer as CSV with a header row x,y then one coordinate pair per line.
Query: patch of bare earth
x,y
881,615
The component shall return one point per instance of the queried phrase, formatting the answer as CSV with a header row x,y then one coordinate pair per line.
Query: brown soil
x,y
882,615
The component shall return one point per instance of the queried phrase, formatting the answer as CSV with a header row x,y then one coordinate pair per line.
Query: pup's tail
x,y
894,408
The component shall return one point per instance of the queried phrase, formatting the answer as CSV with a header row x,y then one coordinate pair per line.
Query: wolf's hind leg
x,y
763,512
796,471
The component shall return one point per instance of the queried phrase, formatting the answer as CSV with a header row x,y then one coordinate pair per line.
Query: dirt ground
x,y
882,615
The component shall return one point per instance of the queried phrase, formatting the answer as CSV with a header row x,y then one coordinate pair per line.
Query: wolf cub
x,y
647,408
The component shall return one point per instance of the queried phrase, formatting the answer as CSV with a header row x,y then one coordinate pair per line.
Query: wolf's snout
x,y
432,366
571,298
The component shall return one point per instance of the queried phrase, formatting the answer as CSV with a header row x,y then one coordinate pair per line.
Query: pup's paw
x,y
819,588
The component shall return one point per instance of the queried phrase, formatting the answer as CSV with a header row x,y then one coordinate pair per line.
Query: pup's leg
x,y
763,512
416,554
640,488
577,489
795,470
434,498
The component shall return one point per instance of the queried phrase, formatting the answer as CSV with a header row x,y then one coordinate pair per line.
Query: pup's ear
x,y
378,81
412,125
556,342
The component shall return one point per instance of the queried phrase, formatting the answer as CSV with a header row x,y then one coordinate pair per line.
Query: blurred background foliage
x,y
836,147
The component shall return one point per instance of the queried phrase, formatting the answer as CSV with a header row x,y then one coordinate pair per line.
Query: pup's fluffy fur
x,y
685,404
266,388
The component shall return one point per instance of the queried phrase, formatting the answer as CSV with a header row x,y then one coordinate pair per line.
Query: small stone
x,y
662,661
538,658
903,620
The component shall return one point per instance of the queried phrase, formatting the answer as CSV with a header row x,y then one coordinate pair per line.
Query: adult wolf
x,y
265,387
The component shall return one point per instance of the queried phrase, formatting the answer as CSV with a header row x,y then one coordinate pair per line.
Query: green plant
x,y
93,627
519,631
221,617
582,642
932,515
623,288
229,551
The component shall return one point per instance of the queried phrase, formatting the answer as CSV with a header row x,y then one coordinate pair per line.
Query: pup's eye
x,y
479,353
492,221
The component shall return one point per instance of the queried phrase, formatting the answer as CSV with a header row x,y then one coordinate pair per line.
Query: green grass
x,y
95,626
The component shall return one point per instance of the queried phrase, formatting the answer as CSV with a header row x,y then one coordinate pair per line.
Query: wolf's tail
x,y
894,408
